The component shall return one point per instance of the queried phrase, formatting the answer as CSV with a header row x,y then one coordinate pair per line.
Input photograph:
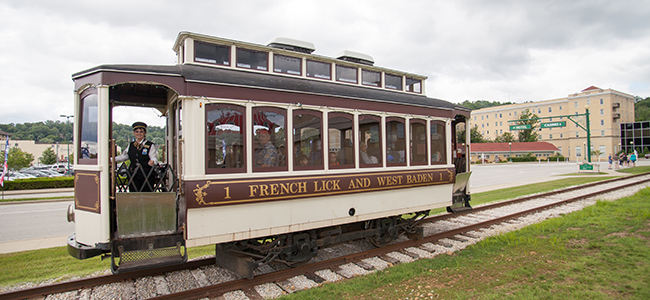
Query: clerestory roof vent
x,y
292,45
356,57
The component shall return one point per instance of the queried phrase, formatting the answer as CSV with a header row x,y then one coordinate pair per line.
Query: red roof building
x,y
489,152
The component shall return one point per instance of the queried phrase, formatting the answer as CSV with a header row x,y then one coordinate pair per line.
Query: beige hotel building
x,y
607,110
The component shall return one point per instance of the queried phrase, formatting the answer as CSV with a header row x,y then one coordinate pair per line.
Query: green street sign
x,y
554,124
587,167
520,127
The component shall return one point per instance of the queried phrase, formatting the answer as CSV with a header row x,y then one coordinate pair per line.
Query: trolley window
x,y
211,53
413,85
88,142
307,139
319,69
251,59
346,74
225,136
418,141
371,78
438,145
395,142
287,64
341,137
269,136
370,135
393,82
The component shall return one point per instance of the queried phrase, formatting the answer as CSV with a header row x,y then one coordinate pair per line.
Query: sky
x,y
502,51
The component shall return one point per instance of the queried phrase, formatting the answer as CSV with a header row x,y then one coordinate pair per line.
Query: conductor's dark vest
x,y
139,153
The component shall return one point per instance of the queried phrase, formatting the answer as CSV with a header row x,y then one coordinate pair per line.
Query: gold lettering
x,y
316,189
227,192
284,188
264,190
302,187
274,189
351,186
253,190
336,185
291,186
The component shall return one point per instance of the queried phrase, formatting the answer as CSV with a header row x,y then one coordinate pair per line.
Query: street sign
x,y
586,167
520,127
554,124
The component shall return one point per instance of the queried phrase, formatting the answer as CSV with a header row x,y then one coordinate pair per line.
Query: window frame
x,y
316,113
277,147
242,169
350,117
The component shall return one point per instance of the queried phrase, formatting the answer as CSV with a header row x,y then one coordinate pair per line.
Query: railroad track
x,y
443,233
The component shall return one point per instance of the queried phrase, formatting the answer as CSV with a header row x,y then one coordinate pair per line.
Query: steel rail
x,y
106,279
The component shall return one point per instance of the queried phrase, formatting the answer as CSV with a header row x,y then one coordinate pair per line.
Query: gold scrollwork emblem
x,y
200,193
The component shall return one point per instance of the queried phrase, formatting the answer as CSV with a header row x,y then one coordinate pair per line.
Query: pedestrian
x,y
633,159
610,161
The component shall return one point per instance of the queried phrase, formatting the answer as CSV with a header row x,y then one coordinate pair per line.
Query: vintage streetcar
x,y
271,153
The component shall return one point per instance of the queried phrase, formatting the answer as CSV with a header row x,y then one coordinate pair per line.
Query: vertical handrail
x,y
113,164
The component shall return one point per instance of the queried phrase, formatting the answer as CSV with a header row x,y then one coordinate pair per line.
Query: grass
x,y
601,252
56,264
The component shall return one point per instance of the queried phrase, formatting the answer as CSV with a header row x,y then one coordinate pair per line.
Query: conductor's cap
x,y
142,125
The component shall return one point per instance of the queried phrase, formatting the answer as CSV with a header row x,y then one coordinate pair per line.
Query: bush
x,y
39,183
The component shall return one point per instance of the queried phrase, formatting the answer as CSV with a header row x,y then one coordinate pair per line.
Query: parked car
x,y
61,168
37,173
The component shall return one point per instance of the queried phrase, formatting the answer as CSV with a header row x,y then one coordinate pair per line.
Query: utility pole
x,y
67,142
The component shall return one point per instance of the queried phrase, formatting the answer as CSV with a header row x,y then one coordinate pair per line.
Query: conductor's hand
x,y
151,163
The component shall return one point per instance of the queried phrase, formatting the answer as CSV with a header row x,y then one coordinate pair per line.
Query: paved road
x,y
34,220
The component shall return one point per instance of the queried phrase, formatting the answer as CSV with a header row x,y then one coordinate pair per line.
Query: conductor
x,y
143,155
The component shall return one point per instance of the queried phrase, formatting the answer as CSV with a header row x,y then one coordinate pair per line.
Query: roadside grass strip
x,y
601,252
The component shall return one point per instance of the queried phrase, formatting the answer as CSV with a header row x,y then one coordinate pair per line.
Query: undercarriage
x,y
293,249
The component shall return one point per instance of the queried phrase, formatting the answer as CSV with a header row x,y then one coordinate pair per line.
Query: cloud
x,y
494,50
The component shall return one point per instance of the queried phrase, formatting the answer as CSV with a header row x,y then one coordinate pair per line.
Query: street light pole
x,y
510,156
67,141
588,134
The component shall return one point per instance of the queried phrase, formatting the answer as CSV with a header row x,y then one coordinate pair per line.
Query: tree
x,y
49,157
474,135
506,137
642,109
18,159
528,135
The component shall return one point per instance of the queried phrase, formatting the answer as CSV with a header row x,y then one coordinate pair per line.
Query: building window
x,y
251,59
393,82
578,151
370,78
602,132
500,116
549,109
287,64
577,134
482,117
550,136
588,102
560,107
346,74
601,101
561,135
539,110
576,104
602,112
603,150
602,122
319,69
